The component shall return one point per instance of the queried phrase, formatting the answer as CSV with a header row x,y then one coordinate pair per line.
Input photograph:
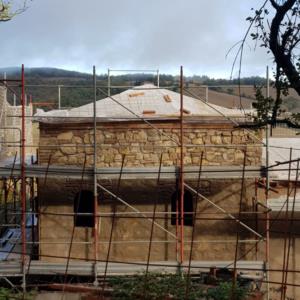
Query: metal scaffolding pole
x,y
23,181
96,283
267,193
108,82
181,170
59,97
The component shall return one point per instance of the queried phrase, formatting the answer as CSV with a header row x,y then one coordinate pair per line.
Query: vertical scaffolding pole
x,y
291,233
157,78
255,209
95,179
181,169
194,216
108,82
267,191
23,182
234,272
267,130
285,266
59,97
4,182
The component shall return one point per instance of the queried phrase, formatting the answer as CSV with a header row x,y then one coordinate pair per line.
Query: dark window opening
x,y
84,203
188,218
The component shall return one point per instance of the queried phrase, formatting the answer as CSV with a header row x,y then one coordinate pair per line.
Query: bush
x,y
164,286
224,292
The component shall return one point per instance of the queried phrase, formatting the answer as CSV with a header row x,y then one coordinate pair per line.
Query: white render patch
x,y
145,101
280,204
279,152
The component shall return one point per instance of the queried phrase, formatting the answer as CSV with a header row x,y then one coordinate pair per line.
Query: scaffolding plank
x,y
167,173
87,268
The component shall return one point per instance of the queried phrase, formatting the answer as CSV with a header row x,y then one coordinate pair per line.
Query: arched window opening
x,y
188,217
84,204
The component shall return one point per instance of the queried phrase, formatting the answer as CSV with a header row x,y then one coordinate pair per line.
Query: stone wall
x,y
10,117
143,146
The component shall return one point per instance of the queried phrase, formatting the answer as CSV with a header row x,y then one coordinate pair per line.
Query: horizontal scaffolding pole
x,y
15,241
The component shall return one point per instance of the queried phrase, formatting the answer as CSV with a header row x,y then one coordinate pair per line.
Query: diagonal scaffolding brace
x,y
224,211
136,210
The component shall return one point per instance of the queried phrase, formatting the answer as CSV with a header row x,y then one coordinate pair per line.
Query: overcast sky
x,y
126,34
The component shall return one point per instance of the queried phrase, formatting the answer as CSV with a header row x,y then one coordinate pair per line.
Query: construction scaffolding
x,y
24,181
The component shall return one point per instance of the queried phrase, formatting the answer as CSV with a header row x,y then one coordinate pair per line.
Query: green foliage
x,y
8,294
295,119
263,106
162,286
155,286
230,91
7,12
224,292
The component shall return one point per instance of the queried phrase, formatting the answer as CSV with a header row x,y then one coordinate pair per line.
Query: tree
x,y
7,11
276,27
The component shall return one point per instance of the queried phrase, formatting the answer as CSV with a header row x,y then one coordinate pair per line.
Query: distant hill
x,y
76,90
43,72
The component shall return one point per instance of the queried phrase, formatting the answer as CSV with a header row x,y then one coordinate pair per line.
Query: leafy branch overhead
x,y
8,10
277,28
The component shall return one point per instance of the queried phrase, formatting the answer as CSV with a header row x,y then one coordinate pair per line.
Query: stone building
x,y
138,133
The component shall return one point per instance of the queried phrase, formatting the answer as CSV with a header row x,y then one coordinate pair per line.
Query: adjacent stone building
x,y
10,127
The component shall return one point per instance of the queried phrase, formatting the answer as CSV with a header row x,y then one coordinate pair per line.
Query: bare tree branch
x,y
281,56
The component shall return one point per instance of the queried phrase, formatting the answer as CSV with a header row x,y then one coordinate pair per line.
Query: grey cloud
x,y
130,34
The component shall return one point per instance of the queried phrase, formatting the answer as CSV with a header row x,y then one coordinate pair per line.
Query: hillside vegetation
x,y
76,88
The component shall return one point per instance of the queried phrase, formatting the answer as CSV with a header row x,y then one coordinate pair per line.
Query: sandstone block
x,y
226,139
168,163
226,133
210,156
68,149
191,135
73,159
165,156
239,155
118,157
152,132
86,138
65,136
141,136
77,140
153,138
187,160
139,156
62,160
197,141
216,139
